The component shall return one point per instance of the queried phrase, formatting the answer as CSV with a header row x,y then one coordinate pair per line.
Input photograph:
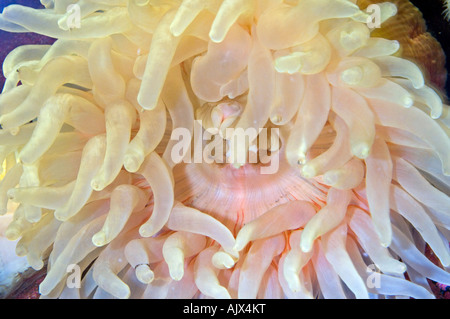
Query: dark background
x,y
438,26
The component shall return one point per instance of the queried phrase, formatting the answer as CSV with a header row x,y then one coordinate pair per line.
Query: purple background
x,y
10,41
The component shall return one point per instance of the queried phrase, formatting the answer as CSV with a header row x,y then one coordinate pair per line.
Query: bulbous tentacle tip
x,y
99,239
222,260
132,163
177,273
144,274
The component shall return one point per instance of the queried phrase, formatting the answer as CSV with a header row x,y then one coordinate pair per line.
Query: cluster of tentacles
x,y
363,145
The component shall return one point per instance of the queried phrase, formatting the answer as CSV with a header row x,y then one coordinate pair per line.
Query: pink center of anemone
x,y
336,195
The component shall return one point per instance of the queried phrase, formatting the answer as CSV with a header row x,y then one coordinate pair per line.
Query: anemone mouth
x,y
226,149
236,196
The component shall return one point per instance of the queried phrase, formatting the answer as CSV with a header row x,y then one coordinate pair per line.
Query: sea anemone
x,y
447,9
337,195
416,44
